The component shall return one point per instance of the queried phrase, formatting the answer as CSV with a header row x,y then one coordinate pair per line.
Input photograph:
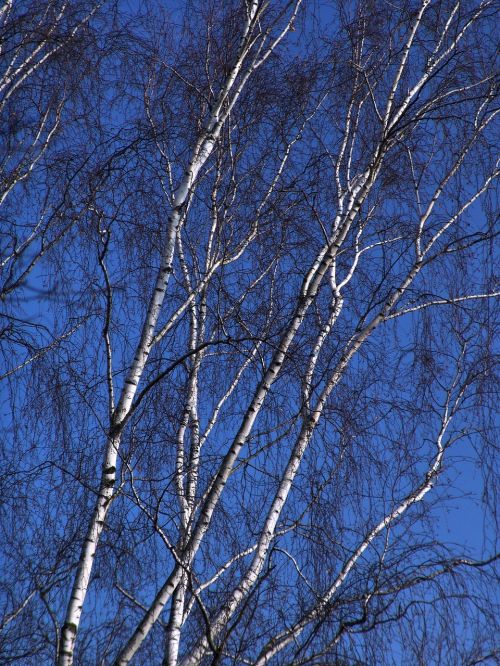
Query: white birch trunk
x,y
108,477
175,624
201,153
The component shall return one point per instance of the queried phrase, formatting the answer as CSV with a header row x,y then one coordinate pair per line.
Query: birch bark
x,y
201,153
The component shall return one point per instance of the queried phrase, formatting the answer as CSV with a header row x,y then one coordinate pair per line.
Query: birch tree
x,y
282,275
